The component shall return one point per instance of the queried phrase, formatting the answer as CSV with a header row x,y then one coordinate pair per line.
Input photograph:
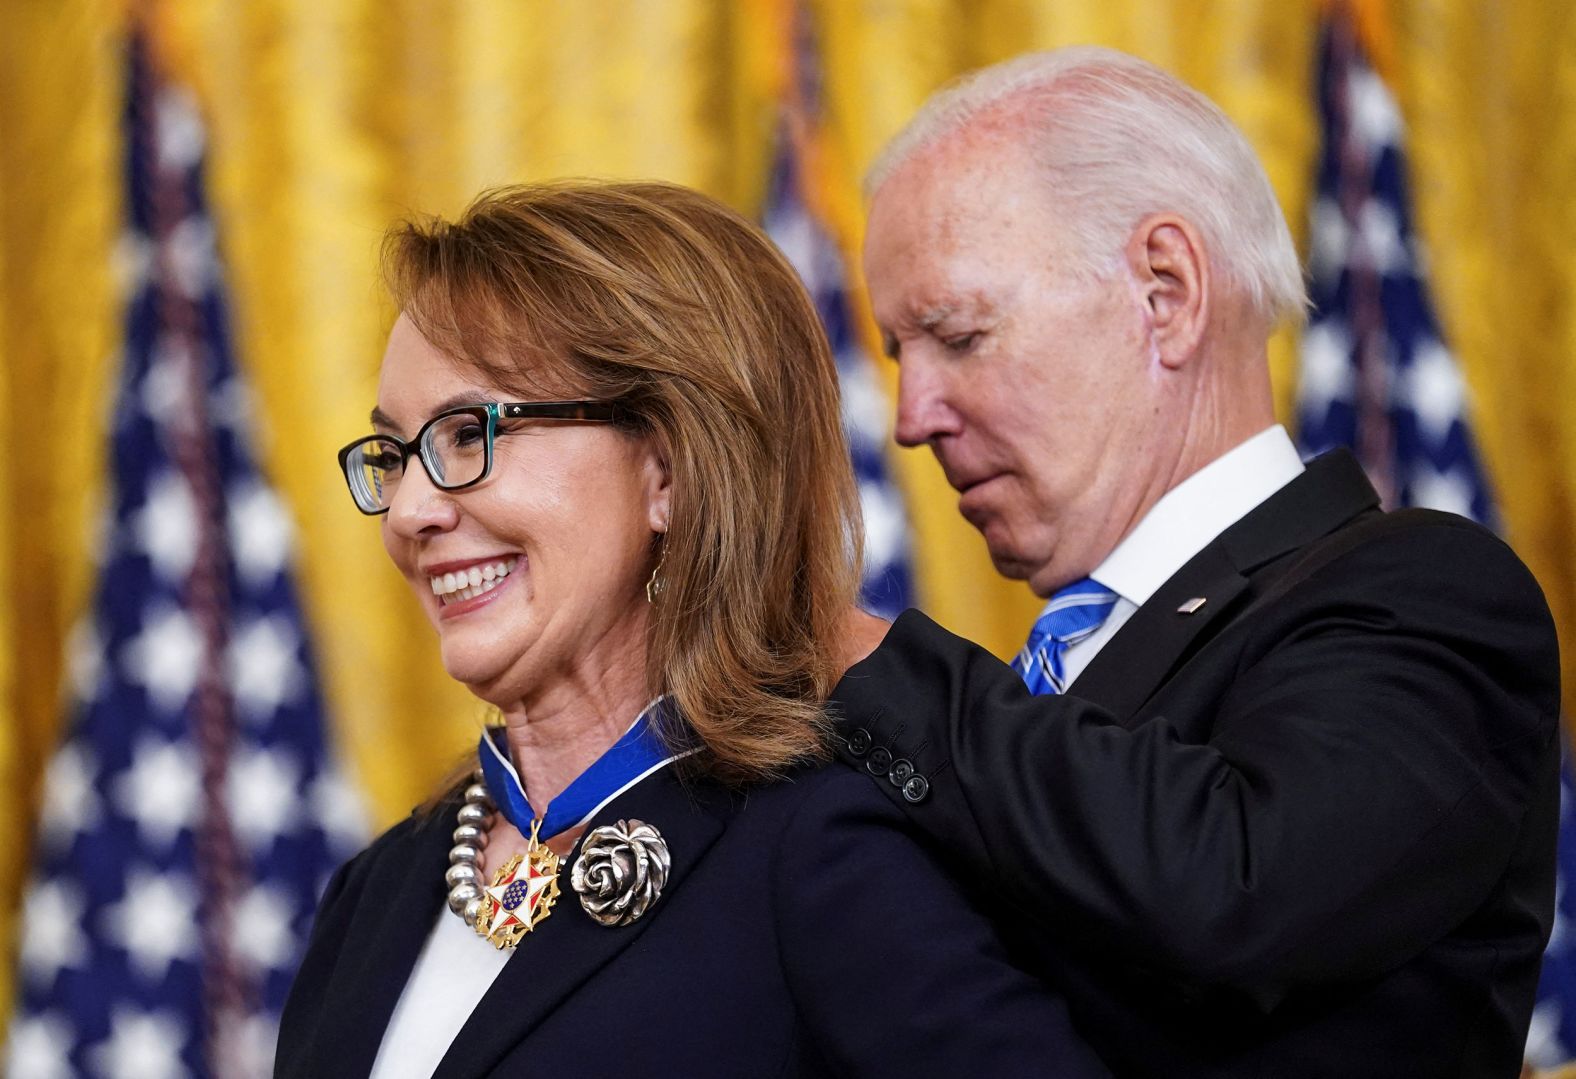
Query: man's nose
x,y
923,410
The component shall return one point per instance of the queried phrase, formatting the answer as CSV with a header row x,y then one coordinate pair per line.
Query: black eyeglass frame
x,y
489,414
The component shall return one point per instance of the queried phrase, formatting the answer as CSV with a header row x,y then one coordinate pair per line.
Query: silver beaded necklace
x,y
621,872
464,875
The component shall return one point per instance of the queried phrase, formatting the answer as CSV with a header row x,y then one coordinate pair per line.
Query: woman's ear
x,y
658,477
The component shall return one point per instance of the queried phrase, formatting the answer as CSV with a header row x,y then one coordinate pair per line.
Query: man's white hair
x,y
1120,139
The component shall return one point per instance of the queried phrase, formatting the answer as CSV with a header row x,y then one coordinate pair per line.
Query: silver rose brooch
x,y
621,871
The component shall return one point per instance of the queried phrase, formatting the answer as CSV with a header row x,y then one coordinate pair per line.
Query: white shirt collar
x,y
1195,511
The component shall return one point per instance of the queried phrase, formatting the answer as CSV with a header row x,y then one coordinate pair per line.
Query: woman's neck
x,y
556,741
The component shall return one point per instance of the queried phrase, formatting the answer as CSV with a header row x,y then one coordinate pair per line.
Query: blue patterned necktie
x,y
1073,613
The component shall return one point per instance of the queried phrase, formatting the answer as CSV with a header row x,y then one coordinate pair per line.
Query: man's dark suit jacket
x,y
801,932
1306,830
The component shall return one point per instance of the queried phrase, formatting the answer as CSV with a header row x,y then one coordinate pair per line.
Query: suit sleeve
x,y
892,971
1349,793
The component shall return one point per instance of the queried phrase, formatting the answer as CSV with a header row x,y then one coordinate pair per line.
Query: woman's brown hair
x,y
662,299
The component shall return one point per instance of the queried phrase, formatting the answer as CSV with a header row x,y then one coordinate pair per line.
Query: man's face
x,y
1038,393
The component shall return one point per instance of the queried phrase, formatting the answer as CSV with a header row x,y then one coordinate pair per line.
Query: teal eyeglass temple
x,y
361,471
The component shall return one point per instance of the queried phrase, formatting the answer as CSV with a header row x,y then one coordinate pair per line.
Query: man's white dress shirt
x,y
1185,521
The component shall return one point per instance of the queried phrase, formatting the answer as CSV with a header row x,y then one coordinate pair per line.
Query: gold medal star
x,y
516,902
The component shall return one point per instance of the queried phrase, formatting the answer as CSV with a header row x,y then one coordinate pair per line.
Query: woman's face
x,y
560,535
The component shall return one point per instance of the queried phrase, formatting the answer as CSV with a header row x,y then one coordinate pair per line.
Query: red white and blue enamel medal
x,y
521,896
621,870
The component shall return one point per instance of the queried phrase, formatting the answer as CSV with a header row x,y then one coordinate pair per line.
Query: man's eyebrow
x,y
464,397
925,319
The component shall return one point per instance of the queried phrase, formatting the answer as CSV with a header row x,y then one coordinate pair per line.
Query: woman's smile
x,y
457,586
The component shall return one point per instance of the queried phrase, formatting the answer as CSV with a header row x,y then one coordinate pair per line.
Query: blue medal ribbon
x,y
637,753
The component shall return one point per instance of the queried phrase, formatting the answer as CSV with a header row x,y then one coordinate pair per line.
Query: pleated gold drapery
x,y
330,118
59,199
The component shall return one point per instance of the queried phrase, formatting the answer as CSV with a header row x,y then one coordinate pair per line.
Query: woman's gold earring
x,y
655,585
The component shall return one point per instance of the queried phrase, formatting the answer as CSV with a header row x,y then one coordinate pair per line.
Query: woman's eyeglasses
x,y
456,447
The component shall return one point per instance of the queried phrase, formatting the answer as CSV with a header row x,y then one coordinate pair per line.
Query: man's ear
x,y
1167,259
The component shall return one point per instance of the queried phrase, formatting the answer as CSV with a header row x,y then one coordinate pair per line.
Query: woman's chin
x,y
486,677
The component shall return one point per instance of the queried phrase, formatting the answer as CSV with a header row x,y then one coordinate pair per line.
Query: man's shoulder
x,y
1451,585
1416,548
1332,510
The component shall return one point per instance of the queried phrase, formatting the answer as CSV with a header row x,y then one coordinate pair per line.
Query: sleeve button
x,y
879,761
859,742
900,771
916,789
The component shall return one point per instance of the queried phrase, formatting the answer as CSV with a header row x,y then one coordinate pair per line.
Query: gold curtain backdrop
x,y
328,119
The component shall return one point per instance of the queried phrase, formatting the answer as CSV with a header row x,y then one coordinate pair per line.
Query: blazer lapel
x,y
568,948
381,946
1134,663
1138,659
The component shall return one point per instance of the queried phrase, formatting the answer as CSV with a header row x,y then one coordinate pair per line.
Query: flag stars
x,y
141,1045
71,804
796,235
1434,389
1330,239
1326,368
160,791
1375,118
190,258
338,810
155,922
178,129
865,405
1382,246
37,1047
264,793
265,668
248,1044
166,527
1544,1047
262,928
166,388
52,911
885,526
1448,490
165,658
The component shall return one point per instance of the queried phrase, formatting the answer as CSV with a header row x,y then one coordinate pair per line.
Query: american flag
x,y
190,816
1377,377
807,241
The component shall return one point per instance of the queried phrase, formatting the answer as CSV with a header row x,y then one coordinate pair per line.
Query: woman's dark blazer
x,y
801,933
